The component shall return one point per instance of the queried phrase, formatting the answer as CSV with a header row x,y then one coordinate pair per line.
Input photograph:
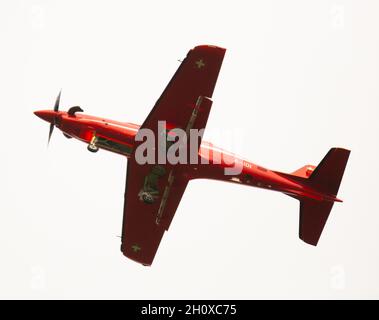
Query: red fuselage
x,y
119,137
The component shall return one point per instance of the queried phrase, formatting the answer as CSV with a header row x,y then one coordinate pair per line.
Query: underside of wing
x,y
154,189
196,76
151,199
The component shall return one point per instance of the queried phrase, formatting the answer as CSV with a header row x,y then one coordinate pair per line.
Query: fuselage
x,y
119,137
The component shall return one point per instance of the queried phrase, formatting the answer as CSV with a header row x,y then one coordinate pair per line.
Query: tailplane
x,y
328,174
325,178
313,217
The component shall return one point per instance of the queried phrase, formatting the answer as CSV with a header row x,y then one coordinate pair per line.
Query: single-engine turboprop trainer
x,y
154,189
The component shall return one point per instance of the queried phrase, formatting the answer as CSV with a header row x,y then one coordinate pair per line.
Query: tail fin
x,y
326,178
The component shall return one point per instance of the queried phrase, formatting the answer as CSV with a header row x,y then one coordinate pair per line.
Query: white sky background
x,y
298,78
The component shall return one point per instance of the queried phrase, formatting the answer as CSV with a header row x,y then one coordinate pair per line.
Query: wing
x,y
145,221
153,191
196,76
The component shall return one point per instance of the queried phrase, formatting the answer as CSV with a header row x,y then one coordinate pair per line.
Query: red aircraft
x,y
153,191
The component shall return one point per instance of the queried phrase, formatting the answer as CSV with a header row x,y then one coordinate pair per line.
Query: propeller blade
x,y
56,106
50,132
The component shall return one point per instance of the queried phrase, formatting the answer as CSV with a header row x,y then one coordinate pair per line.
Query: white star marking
x,y
200,63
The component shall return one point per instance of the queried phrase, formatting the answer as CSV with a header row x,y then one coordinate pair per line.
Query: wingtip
x,y
135,258
209,46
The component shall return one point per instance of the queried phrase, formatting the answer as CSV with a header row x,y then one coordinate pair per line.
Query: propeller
x,y
56,108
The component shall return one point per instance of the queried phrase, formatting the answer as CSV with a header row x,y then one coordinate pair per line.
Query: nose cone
x,y
47,115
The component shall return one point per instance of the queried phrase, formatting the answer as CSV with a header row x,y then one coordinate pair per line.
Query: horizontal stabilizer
x,y
328,174
325,178
313,216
